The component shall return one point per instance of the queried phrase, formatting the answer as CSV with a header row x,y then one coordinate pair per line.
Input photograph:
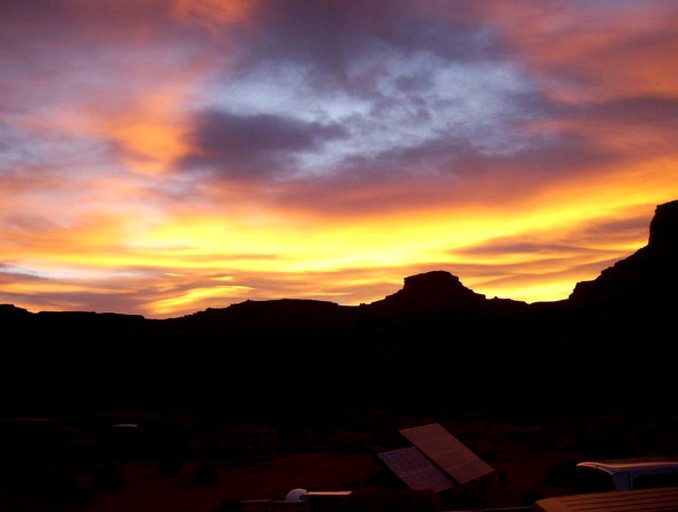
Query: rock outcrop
x,y
432,290
647,279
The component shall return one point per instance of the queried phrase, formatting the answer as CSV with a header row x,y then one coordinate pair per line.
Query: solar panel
x,y
415,470
447,452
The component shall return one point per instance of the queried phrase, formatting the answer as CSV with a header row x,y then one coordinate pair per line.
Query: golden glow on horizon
x,y
279,246
206,243
548,292
196,295
38,287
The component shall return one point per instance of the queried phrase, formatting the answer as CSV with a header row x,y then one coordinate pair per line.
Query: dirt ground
x,y
531,459
144,491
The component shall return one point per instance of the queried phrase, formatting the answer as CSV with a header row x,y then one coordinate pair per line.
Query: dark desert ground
x,y
532,457
107,412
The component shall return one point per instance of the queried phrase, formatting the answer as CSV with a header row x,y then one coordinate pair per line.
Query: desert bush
x,y
205,474
108,477
560,475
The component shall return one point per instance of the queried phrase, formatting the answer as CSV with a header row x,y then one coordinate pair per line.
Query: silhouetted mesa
x,y
435,345
436,289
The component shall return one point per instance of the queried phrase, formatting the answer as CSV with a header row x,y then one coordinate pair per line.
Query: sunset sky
x,y
159,157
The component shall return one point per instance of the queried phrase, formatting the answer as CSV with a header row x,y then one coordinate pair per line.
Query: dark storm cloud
x,y
456,157
253,146
396,64
445,170
327,38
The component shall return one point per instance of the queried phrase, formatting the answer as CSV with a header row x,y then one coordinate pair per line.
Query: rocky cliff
x,y
434,345
645,280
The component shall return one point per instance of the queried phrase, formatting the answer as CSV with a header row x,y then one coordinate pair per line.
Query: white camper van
x,y
626,474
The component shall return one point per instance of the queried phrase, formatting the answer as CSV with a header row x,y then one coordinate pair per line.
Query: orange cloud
x,y
151,141
213,12
597,53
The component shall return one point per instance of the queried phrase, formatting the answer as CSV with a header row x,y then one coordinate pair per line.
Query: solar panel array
x,y
415,470
438,461
447,452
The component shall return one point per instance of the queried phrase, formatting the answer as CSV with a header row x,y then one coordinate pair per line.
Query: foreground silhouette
x,y
409,352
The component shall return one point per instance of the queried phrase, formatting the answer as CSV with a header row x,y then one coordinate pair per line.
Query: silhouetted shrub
x,y
560,475
169,467
108,478
602,444
352,443
205,474
228,506
530,497
44,482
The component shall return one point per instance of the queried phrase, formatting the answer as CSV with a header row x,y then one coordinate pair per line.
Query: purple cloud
x,y
253,146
